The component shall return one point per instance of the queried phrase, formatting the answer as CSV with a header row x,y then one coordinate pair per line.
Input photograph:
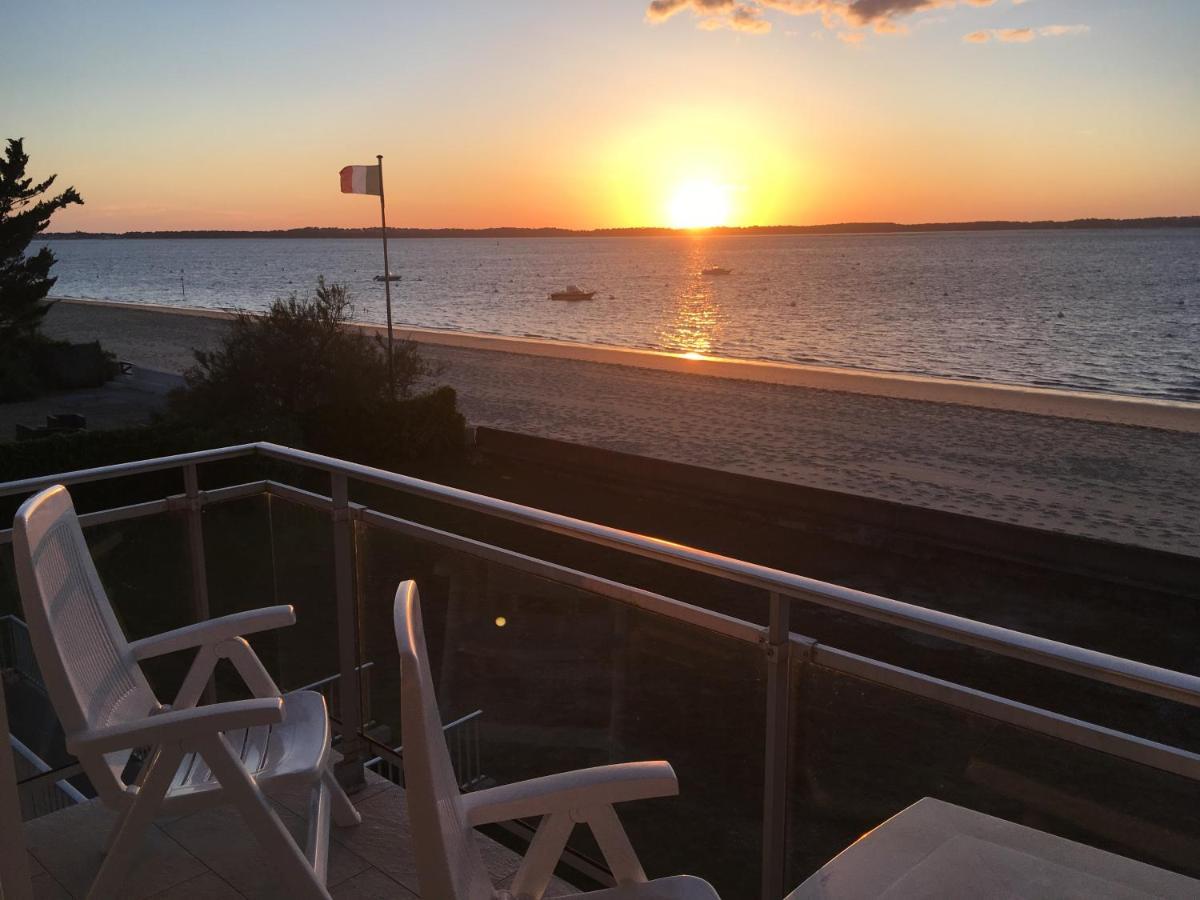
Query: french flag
x,y
361,180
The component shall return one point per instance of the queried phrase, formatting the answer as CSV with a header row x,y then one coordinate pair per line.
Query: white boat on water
x,y
572,293
717,270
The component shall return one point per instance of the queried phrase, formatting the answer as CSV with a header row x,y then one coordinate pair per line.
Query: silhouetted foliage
x,y
28,361
302,374
24,280
106,447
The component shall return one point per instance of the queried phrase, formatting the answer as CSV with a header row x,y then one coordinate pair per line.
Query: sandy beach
x,y
993,454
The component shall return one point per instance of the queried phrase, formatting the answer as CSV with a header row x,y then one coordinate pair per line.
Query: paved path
x,y
127,400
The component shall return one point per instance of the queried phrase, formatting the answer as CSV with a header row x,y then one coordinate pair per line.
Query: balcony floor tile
x,y
222,841
210,855
69,844
371,885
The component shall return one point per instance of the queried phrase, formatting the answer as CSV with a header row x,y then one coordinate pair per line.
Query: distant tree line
x,y
842,228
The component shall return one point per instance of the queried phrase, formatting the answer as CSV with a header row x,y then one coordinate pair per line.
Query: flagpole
x,y
387,282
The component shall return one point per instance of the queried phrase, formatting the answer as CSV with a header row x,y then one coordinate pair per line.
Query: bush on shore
x,y
299,374
39,364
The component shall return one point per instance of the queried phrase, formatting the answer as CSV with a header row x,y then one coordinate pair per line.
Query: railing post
x,y
775,786
14,861
196,558
350,770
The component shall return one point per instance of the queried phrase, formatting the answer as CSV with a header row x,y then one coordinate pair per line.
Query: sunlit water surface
x,y
1111,311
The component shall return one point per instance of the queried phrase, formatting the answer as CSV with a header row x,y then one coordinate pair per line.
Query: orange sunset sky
x,y
597,113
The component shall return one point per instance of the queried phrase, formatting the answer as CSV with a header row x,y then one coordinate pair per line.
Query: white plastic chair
x,y
195,756
449,865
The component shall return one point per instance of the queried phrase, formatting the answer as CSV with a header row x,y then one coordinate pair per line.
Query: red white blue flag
x,y
361,180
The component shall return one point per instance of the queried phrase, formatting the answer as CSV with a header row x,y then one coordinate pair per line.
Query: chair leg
x,y
344,813
316,847
283,853
542,856
614,844
132,824
116,829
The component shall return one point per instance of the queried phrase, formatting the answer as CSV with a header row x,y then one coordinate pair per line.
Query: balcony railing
x,y
558,642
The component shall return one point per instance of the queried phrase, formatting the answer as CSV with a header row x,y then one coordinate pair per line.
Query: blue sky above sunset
x,y
600,113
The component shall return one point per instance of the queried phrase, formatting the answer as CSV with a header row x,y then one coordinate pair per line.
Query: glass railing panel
x,y
10,596
144,566
264,551
543,677
709,591
239,568
261,551
860,752
146,572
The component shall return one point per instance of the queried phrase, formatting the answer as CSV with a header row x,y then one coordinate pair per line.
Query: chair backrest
x,y
449,864
90,673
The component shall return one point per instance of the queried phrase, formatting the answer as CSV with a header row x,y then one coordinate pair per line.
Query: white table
x,y
938,850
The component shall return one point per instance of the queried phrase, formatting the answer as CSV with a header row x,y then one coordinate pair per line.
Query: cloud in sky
x,y
714,14
735,16
1023,35
842,16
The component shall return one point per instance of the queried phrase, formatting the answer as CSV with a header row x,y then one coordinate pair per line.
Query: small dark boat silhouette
x,y
717,270
572,293
387,277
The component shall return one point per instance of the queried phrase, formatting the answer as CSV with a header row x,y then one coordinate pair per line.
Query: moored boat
x,y
716,270
572,293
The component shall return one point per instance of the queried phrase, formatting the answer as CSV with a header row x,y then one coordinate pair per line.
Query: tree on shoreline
x,y
301,374
25,281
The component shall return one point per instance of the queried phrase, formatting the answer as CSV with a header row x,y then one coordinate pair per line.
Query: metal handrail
x,y
120,470
1141,677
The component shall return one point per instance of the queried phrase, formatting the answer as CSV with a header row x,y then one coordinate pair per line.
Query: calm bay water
x,y
1114,311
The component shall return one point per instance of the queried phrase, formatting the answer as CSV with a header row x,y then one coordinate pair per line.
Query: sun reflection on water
x,y
693,324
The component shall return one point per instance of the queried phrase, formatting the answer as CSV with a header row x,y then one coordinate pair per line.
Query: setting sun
x,y
700,204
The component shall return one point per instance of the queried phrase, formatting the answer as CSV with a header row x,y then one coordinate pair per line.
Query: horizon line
x,y
318,231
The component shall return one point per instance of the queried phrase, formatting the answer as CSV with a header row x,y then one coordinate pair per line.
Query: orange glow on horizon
x,y
693,167
203,126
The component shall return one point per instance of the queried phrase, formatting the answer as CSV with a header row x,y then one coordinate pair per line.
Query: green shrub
x,y
61,365
89,449
38,364
18,374
388,433
298,375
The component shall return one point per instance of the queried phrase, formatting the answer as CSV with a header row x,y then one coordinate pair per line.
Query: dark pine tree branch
x,y
25,281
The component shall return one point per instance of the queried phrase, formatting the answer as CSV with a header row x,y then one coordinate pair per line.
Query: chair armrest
x,y
566,791
213,631
177,725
